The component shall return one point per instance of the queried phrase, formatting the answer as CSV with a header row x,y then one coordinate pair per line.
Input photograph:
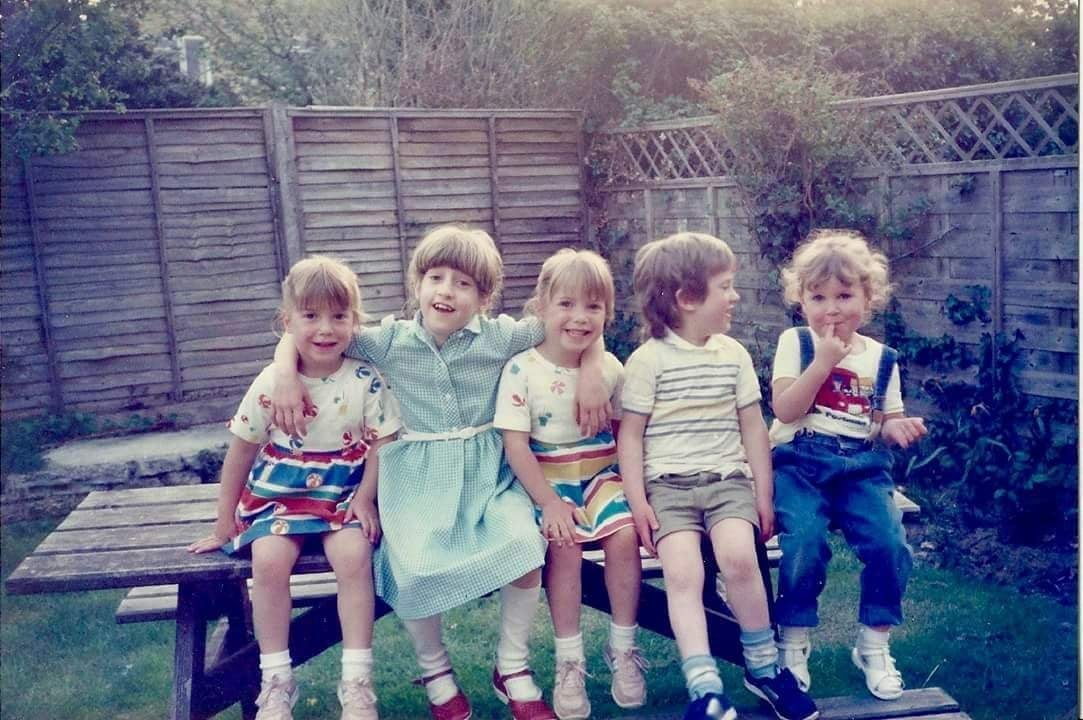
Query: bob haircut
x,y
686,262
468,250
570,270
319,282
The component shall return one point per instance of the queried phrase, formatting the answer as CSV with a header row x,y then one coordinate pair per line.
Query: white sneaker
x,y
629,689
357,699
276,699
793,654
881,677
570,701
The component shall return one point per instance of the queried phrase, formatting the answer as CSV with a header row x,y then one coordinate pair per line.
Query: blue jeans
x,y
823,481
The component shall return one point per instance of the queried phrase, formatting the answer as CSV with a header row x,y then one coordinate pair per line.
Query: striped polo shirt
x,y
691,395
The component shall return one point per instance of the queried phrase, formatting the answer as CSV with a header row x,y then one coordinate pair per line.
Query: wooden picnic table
x,y
138,538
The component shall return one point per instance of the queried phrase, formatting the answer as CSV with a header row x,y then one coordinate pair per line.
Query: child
x,y
456,524
695,459
573,478
324,485
834,391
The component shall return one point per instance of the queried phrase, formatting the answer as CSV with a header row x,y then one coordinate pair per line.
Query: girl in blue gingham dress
x,y
456,523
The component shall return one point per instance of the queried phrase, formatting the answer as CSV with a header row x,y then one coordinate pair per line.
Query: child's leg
x,y
734,543
801,511
432,658
518,603
623,574
350,555
682,569
564,587
273,558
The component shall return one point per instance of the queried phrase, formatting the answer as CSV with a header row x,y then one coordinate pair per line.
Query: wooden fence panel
x,y
1001,213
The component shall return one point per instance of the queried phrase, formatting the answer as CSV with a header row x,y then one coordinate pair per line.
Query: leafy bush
x,y
22,441
1011,460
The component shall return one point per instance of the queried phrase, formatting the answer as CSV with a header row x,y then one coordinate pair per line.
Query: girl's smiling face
x,y
573,322
321,336
844,307
448,300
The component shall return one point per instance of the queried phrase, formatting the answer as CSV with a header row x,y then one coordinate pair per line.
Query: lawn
x,y
998,652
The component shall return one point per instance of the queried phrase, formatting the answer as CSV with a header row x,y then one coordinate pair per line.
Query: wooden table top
x,y
131,538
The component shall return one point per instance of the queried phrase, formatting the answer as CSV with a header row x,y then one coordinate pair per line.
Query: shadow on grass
x,y
999,653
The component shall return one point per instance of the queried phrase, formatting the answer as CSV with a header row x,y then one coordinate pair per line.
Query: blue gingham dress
x,y
456,523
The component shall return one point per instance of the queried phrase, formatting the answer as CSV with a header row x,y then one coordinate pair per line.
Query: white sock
x,y
517,607
569,648
432,657
356,663
622,637
277,663
794,635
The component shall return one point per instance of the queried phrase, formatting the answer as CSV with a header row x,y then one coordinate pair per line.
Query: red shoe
x,y
457,708
521,709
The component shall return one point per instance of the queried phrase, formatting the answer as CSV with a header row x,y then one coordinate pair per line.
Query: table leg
x,y
189,651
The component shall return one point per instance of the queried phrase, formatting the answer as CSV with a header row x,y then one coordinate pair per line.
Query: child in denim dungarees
x,y
835,391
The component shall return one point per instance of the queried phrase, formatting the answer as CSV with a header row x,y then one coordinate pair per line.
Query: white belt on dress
x,y
460,434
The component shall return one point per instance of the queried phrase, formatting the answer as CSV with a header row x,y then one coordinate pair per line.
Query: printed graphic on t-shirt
x,y
845,397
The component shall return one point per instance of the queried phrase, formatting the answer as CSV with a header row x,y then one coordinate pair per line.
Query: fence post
x,y
494,181
393,122
274,185
586,228
997,294
56,394
177,392
285,172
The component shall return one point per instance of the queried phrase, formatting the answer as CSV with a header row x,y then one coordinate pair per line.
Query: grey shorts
x,y
698,502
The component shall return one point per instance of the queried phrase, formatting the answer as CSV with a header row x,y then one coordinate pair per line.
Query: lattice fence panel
x,y
1019,119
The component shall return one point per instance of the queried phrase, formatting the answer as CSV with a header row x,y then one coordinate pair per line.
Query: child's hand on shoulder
x,y
363,509
831,349
558,521
646,523
291,404
903,431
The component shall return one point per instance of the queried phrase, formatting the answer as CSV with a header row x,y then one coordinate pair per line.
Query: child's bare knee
x,y
738,568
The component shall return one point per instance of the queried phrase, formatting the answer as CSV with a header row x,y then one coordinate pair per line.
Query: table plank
x,y
106,517
121,538
150,496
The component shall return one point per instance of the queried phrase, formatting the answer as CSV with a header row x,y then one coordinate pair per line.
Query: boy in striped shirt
x,y
695,459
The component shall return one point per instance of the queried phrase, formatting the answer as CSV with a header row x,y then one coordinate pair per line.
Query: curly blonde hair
x,y
468,250
685,261
319,282
574,271
844,255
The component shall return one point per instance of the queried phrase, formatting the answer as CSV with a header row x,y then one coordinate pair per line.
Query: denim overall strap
x,y
808,351
888,357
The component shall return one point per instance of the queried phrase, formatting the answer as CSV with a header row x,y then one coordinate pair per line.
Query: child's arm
x,y
758,451
630,458
363,504
592,405
902,430
235,469
792,398
558,517
290,396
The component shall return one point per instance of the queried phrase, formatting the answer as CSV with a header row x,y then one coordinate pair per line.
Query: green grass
x,y
988,646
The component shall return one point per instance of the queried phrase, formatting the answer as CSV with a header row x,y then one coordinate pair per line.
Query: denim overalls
x,y
824,481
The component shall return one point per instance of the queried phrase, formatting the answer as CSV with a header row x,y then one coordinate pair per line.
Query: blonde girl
x,y
573,477
277,488
456,524
835,392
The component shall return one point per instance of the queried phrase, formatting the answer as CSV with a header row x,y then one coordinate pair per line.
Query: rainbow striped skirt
x,y
291,492
584,473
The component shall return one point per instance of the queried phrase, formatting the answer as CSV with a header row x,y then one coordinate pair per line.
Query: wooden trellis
x,y
1031,118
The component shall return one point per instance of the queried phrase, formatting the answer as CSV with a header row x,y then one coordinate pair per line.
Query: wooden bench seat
x,y
159,602
920,704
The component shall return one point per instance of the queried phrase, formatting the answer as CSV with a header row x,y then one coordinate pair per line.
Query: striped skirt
x,y
584,474
297,493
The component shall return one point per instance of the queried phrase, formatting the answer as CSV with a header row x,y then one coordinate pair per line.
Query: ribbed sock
x,y
277,663
432,657
622,637
569,648
760,653
517,608
356,663
701,676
